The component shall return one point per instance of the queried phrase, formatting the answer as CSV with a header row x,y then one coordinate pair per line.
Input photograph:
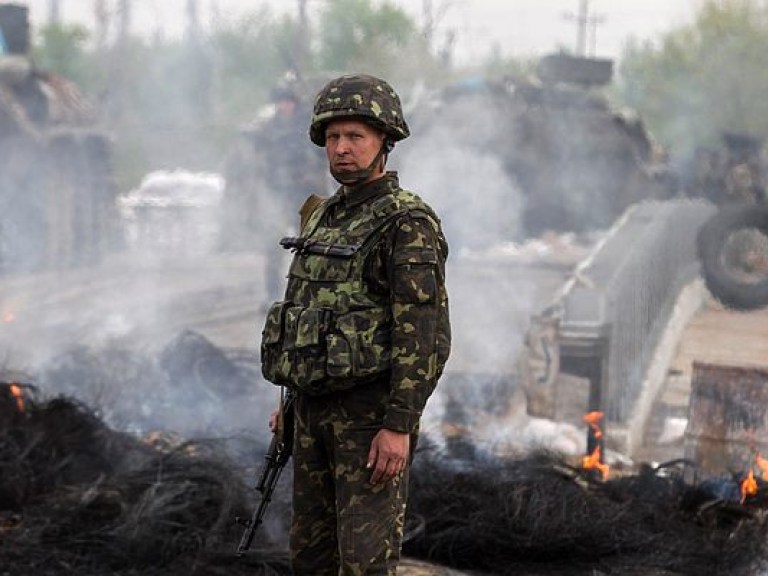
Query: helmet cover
x,y
358,96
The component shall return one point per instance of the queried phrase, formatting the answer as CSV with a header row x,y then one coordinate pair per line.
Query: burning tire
x,y
733,250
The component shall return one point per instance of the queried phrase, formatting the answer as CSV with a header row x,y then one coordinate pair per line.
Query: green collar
x,y
351,197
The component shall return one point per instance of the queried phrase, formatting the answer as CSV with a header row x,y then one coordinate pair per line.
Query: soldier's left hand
x,y
388,455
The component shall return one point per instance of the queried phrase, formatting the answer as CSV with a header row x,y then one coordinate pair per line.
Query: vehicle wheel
x,y
733,250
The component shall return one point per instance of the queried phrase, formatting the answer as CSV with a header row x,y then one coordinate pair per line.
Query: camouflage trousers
x,y
342,525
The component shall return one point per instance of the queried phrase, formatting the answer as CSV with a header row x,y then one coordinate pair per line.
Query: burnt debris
x,y
79,498
536,515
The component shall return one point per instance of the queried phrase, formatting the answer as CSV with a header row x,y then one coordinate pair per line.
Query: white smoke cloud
x,y
454,167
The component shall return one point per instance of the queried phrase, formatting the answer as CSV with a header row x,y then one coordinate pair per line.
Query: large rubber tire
x,y
733,251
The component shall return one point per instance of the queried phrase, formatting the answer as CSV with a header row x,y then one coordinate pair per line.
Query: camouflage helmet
x,y
359,96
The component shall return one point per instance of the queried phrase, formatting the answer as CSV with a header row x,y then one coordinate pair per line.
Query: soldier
x,y
269,174
362,336
293,170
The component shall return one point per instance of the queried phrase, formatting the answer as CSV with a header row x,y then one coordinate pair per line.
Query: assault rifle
x,y
277,457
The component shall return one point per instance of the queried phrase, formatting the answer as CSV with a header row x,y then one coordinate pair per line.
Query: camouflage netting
x,y
79,498
536,515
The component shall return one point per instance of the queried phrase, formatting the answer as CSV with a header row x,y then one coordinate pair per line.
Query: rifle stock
x,y
277,456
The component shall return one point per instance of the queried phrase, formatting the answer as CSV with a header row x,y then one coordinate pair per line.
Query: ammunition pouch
x,y
316,351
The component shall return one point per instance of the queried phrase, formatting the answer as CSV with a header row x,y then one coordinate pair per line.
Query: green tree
x,y
358,36
250,56
703,79
62,49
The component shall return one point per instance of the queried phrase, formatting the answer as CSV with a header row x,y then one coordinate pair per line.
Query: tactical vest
x,y
332,332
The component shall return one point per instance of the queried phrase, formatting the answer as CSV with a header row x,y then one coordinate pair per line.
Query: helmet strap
x,y
357,177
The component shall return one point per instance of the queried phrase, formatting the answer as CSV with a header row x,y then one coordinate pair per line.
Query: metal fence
x,y
624,292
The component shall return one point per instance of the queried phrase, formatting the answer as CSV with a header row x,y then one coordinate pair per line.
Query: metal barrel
x,y
727,417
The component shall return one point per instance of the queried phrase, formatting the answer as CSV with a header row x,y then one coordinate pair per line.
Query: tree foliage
x,y
62,48
354,34
251,55
703,79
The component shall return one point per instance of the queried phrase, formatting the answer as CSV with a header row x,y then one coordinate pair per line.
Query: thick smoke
x,y
195,263
454,163
102,333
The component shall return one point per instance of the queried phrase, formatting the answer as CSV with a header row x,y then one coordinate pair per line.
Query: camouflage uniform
x,y
362,336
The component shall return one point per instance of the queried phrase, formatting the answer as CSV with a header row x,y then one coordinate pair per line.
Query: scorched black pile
x,y
537,516
79,498
76,497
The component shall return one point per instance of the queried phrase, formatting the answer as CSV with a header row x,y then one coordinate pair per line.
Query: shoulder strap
x,y
308,208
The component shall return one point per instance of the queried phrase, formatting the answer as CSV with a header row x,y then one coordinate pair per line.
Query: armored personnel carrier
x,y
573,160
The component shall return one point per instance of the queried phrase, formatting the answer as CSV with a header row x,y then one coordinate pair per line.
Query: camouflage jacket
x,y
365,299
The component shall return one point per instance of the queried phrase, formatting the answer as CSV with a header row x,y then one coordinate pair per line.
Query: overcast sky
x,y
517,27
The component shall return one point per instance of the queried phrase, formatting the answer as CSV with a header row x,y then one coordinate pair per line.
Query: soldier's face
x,y
352,145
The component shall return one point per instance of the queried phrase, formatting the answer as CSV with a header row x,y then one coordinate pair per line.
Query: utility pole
x,y
101,17
54,11
124,11
584,22
429,21
432,18
215,14
117,70
594,22
216,67
300,44
193,19
581,28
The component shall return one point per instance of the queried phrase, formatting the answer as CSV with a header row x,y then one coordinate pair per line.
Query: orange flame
x,y
594,461
18,395
763,464
748,486
593,419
